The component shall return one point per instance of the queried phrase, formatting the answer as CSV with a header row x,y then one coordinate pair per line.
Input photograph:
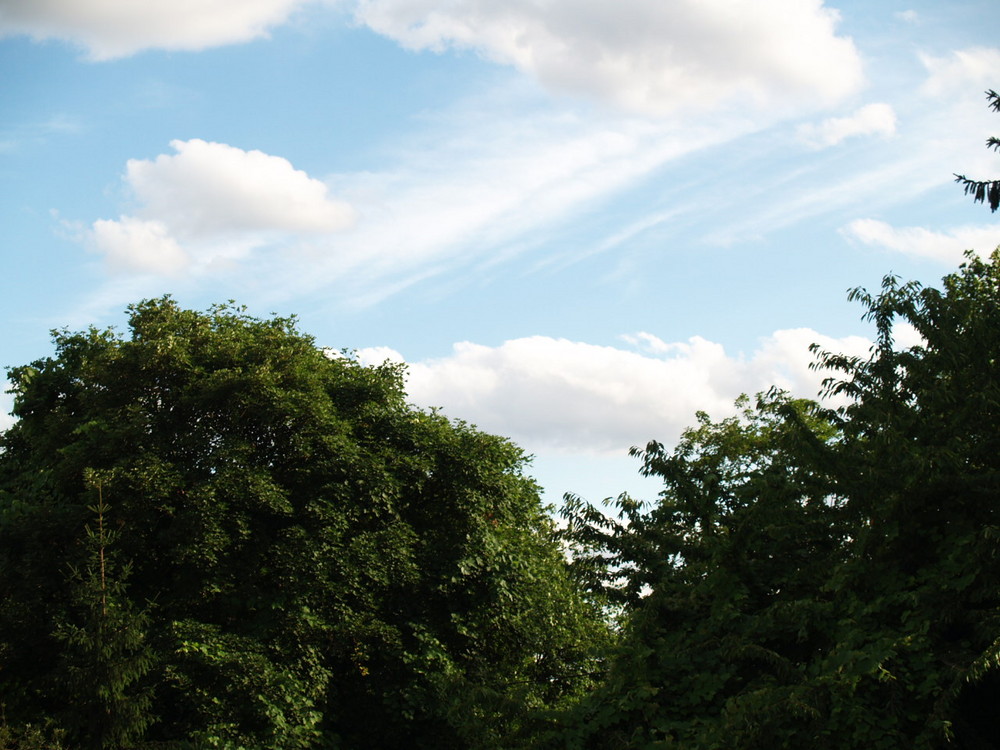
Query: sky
x,y
578,222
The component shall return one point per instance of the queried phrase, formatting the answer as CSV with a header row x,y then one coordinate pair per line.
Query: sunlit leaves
x,y
325,563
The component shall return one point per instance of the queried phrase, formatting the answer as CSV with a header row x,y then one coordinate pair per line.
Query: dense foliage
x,y
215,534
814,577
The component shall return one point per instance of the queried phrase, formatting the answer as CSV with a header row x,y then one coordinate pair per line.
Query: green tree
x,y
327,565
988,190
814,577
719,583
105,653
30,737
919,463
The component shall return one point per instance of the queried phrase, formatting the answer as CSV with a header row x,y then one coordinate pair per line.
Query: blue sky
x,y
577,221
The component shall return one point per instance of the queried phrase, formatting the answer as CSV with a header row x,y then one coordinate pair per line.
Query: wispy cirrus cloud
x,y
446,201
872,119
946,247
962,69
15,137
460,201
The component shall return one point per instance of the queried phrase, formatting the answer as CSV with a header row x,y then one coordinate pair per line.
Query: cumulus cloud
x,y
132,244
209,188
212,200
116,28
947,247
973,67
645,55
648,56
872,119
555,394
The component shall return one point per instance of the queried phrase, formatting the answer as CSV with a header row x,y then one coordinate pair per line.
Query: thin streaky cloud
x,y
872,119
962,70
945,247
450,202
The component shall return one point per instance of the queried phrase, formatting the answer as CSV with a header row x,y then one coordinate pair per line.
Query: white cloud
x,y
958,120
818,193
554,394
6,405
485,182
644,55
211,188
872,119
947,247
973,68
132,244
907,16
117,28
211,201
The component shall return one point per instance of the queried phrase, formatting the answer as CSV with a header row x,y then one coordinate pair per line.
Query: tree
x,y
720,583
313,562
105,654
983,191
821,578
921,467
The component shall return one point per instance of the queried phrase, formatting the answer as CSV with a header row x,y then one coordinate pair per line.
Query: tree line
x,y
214,533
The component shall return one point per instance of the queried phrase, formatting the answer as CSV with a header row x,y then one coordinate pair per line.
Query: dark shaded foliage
x,y
816,577
283,553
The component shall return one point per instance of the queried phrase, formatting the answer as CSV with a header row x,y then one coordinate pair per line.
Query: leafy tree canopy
x,y
215,534
816,577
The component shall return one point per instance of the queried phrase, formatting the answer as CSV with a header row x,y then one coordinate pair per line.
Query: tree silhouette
x,y
981,191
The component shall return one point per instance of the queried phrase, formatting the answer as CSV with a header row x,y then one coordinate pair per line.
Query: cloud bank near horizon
x,y
552,394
